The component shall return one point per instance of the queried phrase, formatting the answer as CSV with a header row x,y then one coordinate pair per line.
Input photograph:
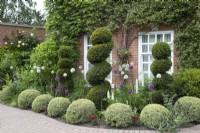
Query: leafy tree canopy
x,y
20,12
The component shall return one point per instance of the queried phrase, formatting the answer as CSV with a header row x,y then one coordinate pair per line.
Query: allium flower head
x,y
57,78
80,67
43,67
38,70
52,86
125,76
120,69
72,70
123,65
131,64
34,67
64,74
11,67
130,91
158,75
122,72
130,67
115,71
52,72
60,86
127,65
151,86
58,91
82,71
14,75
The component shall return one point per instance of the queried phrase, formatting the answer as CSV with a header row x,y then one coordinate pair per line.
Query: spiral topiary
x,y
41,102
58,106
65,63
153,115
79,111
161,52
101,40
26,98
190,106
118,115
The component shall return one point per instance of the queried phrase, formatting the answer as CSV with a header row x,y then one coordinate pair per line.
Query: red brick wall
x,y
133,50
7,29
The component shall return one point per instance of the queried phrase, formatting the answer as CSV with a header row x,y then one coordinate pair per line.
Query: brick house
x,y
139,52
6,29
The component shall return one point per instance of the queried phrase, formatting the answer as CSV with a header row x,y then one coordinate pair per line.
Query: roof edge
x,y
21,25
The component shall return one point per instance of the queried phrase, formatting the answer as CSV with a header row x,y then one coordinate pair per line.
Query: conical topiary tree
x,y
162,63
102,42
65,63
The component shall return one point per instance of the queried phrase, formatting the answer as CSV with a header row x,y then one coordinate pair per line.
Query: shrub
x,y
161,50
60,74
163,82
153,115
118,115
65,52
26,98
100,36
58,106
7,93
41,102
97,74
97,93
160,66
190,105
79,111
65,63
187,82
99,53
156,96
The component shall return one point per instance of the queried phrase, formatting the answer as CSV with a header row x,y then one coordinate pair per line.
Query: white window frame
x,y
140,61
86,44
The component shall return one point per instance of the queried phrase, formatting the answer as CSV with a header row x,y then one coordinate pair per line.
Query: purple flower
x,y
14,75
1,81
52,86
130,67
66,91
151,86
57,78
58,91
60,87
115,71
130,91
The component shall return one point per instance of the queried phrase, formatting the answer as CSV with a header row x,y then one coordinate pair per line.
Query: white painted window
x,y
145,44
87,64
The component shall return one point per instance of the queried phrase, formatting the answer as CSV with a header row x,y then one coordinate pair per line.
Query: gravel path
x,y
13,120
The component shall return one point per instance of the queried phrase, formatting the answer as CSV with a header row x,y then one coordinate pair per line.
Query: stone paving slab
x,y
13,120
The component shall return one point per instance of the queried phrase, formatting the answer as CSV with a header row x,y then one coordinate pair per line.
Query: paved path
x,y
13,120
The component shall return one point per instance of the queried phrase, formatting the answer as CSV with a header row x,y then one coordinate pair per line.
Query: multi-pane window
x,y
87,64
145,58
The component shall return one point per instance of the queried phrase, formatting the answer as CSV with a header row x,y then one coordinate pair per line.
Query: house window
x,y
87,65
145,44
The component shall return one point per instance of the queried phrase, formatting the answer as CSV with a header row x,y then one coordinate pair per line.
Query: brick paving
x,y
13,120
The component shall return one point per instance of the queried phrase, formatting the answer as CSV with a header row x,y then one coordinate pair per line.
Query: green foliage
x,y
26,98
45,52
118,115
98,93
65,52
156,96
99,53
79,111
60,73
191,104
155,116
161,50
97,74
160,66
187,82
58,106
41,102
65,63
100,36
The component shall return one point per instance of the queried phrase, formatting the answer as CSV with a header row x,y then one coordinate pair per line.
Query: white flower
x,y
122,72
64,74
11,43
22,31
72,70
123,65
23,44
11,67
32,34
52,72
126,69
158,75
80,67
34,67
43,67
127,65
132,64
6,43
82,71
32,71
125,76
19,42
18,46
38,70
120,69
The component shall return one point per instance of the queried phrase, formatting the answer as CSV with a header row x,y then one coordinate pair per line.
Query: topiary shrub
x,y
65,63
153,115
79,111
160,66
156,96
65,52
161,50
118,115
58,106
100,36
41,102
187,83
101,40
97,93
189,105
26,98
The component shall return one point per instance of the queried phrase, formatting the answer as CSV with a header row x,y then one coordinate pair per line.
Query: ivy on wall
x,y
67,20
